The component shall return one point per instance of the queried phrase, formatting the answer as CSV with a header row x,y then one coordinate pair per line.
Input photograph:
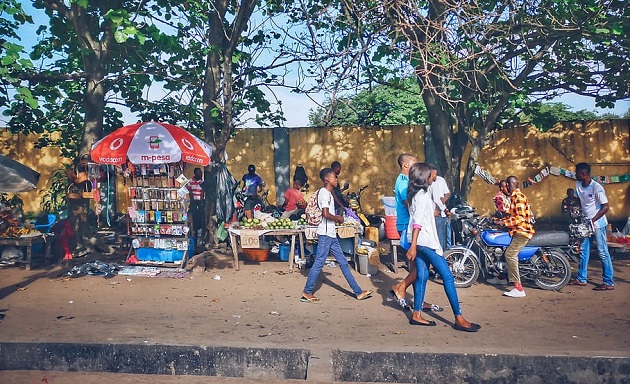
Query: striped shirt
x,y
194,187
520,220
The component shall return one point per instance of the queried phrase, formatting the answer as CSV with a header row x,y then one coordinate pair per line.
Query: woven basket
x,y
73,195
82,177
87,195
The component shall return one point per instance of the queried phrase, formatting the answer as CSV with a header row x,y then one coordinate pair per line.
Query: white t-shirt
x,y
591,198
325,200
438,190
421,212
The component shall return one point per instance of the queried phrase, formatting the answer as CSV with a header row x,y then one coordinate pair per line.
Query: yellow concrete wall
x,y
22,148
523,151
368,157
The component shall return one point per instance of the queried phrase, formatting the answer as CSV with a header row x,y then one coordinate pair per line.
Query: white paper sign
x,y
182,192
250,239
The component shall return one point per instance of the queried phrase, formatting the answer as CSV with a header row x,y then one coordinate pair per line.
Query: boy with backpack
x,y
327,241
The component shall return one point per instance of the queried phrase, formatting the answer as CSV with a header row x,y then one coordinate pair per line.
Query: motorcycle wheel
x,y
465,269
554,273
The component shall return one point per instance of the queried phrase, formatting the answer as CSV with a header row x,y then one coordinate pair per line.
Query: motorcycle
x,y
354,203
579,229
543,260
267,207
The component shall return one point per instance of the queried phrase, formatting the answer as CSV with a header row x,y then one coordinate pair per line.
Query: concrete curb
x,y
262,363
477,368
274,364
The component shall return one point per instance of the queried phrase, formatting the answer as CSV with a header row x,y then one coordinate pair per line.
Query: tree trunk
x,y
440,130
94,110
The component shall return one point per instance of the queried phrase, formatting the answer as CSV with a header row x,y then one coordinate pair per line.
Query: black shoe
x,y
473,327
430,323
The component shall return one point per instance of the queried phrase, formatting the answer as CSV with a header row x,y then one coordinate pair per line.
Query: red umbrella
x,y
151,143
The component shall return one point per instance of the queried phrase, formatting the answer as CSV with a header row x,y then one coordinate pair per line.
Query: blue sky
x,y
296,107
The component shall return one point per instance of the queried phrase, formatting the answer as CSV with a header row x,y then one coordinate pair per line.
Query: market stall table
x,y
28,241
249,238
343,232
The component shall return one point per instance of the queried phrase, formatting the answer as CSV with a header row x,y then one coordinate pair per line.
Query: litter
x,y
94,268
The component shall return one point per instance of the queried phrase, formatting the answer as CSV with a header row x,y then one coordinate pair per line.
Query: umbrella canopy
x,y
16,177
151,143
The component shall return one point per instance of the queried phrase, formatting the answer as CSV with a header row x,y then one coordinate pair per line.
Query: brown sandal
x,y
576,282
604,287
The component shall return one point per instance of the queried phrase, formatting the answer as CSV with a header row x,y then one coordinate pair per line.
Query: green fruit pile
x,y
281,224
302,220
249,223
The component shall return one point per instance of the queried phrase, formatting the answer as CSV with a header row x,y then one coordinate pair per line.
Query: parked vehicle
x,y
543,261
579,229
269,208
354,203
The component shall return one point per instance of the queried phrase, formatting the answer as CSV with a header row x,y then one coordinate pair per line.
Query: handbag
x,y
404,241
72,194
82,177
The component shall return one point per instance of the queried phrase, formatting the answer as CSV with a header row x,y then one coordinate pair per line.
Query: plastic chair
x,y
45,228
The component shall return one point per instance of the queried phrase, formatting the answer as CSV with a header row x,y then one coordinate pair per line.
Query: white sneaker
x,y
496,281
515,293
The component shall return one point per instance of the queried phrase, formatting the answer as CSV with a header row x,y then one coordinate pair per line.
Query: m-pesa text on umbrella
x,y
154,158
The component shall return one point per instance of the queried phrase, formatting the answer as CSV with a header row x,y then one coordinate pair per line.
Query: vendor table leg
x,y
291,251
234,249
302,255
29,253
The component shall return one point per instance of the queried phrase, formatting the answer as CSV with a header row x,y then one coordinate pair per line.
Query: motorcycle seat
x,y
549,239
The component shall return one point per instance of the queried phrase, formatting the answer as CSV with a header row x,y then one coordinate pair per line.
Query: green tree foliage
x,y
385,104
91,56
477,61
12,16
545,115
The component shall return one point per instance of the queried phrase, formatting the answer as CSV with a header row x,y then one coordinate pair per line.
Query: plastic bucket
x,y
390,228
284,252
365,267
389,202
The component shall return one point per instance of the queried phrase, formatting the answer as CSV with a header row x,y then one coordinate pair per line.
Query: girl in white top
x,y
425,248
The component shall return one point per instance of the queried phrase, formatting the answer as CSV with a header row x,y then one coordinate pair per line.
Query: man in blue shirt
x,y
252,185
405,161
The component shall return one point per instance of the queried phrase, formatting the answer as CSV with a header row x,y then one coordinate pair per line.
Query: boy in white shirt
x,y
327,241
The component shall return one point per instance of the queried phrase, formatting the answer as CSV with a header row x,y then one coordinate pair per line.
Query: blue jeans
x,y
331,245
449,234
441,227
604,257
425,257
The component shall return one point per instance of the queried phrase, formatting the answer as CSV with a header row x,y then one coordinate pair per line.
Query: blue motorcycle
x,y
481,252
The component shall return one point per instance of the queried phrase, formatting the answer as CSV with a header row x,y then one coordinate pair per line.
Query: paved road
x,y
259,307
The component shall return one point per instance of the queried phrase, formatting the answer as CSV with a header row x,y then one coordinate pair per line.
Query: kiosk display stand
x,y
158,214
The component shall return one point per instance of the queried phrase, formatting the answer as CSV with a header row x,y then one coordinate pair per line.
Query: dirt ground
x,y
259,306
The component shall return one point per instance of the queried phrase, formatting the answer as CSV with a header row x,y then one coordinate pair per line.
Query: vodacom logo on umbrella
x,y
116,144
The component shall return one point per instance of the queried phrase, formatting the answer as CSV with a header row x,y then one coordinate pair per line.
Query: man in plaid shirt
x,y
521,227
502,200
